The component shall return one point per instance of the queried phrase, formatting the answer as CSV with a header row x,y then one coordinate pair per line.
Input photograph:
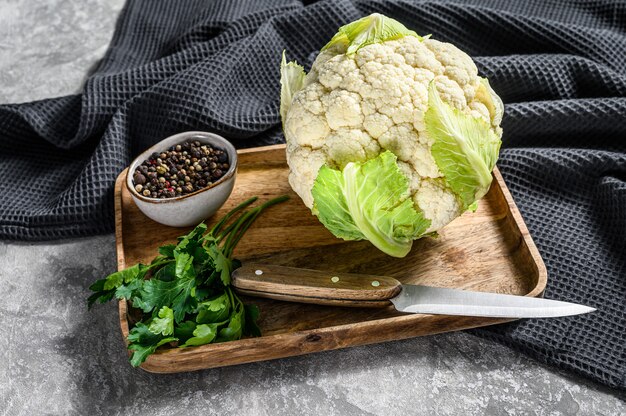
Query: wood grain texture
x,y
314,286
489,250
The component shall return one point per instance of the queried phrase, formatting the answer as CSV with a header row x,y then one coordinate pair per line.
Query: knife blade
x,y
361,290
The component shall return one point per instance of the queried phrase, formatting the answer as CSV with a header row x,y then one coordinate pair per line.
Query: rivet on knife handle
x,y
313,286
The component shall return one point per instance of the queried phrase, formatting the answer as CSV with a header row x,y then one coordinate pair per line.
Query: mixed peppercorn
x,y
180,170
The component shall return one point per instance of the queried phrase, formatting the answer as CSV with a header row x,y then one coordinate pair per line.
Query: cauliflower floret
x,y
350,145
343,109
437,202
305,163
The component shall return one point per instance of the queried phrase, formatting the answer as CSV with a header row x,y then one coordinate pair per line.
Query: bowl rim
x,y
177,139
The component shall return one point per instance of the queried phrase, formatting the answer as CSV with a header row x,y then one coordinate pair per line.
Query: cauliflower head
x,y
390,136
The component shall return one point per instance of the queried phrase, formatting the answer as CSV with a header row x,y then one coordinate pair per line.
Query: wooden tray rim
x,y
249,344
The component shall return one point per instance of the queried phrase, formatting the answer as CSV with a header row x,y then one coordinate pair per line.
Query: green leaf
x,y
369,201
164,324
201,293
141,334
129,290
139,303
374,28
184,331
465,148
141,352
188,243
203,334
331,206
176,294
221,263
100,297
167,250
107,288
200,256
115,280
486,95
184,263
166,273
144,342
291,81
98,285
234,330
214,310
250,325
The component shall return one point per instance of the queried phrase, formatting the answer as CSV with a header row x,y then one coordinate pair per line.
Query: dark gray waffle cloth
x,y
559,66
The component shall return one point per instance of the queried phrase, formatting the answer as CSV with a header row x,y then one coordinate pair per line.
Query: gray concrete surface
x,y
57,358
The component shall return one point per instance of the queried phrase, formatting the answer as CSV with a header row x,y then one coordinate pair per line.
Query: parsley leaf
x,y
129,290
144,342
203,334
164,324
234,329
184,331
220,263
250,323
167,250
214,310
177,293
115,280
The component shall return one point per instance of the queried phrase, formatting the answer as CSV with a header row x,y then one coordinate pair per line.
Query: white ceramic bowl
x,y
190,209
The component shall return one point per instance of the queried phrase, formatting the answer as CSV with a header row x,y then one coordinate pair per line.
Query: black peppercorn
x,y
139,179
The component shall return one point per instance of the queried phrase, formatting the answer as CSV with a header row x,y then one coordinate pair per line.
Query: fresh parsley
x,y
184,296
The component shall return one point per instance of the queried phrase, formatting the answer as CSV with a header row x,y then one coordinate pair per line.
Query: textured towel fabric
x,y
560,68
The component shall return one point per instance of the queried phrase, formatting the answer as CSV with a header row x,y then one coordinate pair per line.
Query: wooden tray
x,y
489,250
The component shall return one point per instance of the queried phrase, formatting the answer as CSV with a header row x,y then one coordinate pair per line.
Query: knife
x,y
360,290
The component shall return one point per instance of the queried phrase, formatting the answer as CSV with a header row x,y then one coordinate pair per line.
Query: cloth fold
x,y
559,66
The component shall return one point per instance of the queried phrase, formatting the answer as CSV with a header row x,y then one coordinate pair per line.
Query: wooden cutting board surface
x,y
489,250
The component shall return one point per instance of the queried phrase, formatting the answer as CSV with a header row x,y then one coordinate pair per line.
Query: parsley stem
x,y
226,217
230,227
249,220
228,245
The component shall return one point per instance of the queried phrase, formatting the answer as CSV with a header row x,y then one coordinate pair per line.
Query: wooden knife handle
x,y
312,286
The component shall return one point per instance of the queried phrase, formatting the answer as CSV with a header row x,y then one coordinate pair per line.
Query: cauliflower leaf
x,y
291,81
375,28
465,148
369,201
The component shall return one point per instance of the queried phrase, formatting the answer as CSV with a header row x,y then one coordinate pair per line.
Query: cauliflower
x,y
390,136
